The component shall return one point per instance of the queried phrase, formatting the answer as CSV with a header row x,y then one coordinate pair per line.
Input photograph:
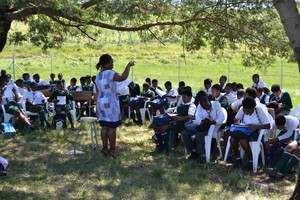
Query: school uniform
x,y
154,89
230,97
41,82
264,98
172,93
64,83
74,88
285,99
180,101
88,87
222,100
259,84
8,100
207,91
215,113
135,90
56,94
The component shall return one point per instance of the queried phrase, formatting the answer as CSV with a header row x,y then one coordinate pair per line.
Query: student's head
x,y
276,90
239,86
3,72
131,84
148,80
222,80
204,102
228,88
88,79
186,96
216,90
200,94
73,81
59,76
168,85
259,90
94,79
188,88
146,86
233,85
105,62
250,92
36,77
280,121
240,93
155,83
181,85
248,105
59,85
8,77
2,83
33,86
207,83
82,80
52,76
26,76
266,90
255,78
19,83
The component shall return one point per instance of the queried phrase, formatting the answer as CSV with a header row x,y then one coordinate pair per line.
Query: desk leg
x,y
76,138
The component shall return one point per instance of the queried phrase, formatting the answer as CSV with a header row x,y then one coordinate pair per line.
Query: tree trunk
x,y
4,29
290,19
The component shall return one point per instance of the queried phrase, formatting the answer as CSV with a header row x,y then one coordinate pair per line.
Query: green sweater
x,y
56,93
285,100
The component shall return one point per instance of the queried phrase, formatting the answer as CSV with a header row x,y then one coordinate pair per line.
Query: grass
x,y
41,168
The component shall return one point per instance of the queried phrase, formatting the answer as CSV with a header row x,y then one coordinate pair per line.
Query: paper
x,y
241,125
61,100
160,92
123,84
76,152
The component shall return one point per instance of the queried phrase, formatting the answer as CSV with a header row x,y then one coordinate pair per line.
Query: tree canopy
x,y
253,27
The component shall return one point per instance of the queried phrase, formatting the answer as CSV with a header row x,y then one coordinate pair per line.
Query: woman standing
x,y
108,106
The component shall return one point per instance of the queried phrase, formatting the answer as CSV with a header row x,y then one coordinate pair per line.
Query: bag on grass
x,y
59,121
7,128
136,102
162,120
159,102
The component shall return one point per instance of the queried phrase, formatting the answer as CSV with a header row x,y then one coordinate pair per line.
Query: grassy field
x,y
41,168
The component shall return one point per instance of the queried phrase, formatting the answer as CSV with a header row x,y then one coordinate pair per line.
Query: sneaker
x,y
248,166
237,163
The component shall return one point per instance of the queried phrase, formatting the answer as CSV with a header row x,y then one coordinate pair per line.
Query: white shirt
x,y
180,101
10,85
192,108
171,92
259,84
207,91
258,117
22,91
290,125
4,162
230,97
8,95
41,82
36,97
215,113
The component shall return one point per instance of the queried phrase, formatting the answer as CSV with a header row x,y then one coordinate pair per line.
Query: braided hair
x,y
105,58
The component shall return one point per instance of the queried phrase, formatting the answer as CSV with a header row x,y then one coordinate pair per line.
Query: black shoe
x,y
277,177
159,149
237,163
248,166
272,172
3,173
193,156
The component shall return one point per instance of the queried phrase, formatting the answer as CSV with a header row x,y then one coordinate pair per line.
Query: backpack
x,y
59,121
7,128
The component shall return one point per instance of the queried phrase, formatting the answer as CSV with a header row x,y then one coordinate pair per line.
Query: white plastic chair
x,y
144,110
256,148
8,116
214,132
72,111
296,113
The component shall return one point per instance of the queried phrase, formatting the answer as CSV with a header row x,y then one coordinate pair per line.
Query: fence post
x,y
51,65
91,65
281,76
178,70
14,67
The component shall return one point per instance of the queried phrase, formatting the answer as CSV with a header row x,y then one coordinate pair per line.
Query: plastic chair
x,y
72,111
143,112
296,113
214,132
7,117
93,133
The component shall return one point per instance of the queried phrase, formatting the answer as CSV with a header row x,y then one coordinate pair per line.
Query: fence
x,y
193,70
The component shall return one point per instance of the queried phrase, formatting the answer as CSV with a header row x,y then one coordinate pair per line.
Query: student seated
x,y
207,113
88,86
62,101
256,118
41,84
207,87
26,79
180,88
257,82
280,100
35,103
287,125
186,88
217,96
185,112
21,87
146,95
222,82
289,159
231,97
134,89
263,97
60,78
73,86
154,86
9,98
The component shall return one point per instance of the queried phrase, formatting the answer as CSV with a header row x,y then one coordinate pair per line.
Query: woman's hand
x,y
130,64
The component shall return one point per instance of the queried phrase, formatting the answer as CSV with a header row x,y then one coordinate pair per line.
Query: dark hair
x,y
74,80
249,103
239,86
58,82
280,120
188,88
251,92
203,100
207,81
199,95
187,93
154,81
146,84
275,88
181,83
104,59
229,85
255,76
217,87
224,77
259,89
88,77
148,80
32,84
168,83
